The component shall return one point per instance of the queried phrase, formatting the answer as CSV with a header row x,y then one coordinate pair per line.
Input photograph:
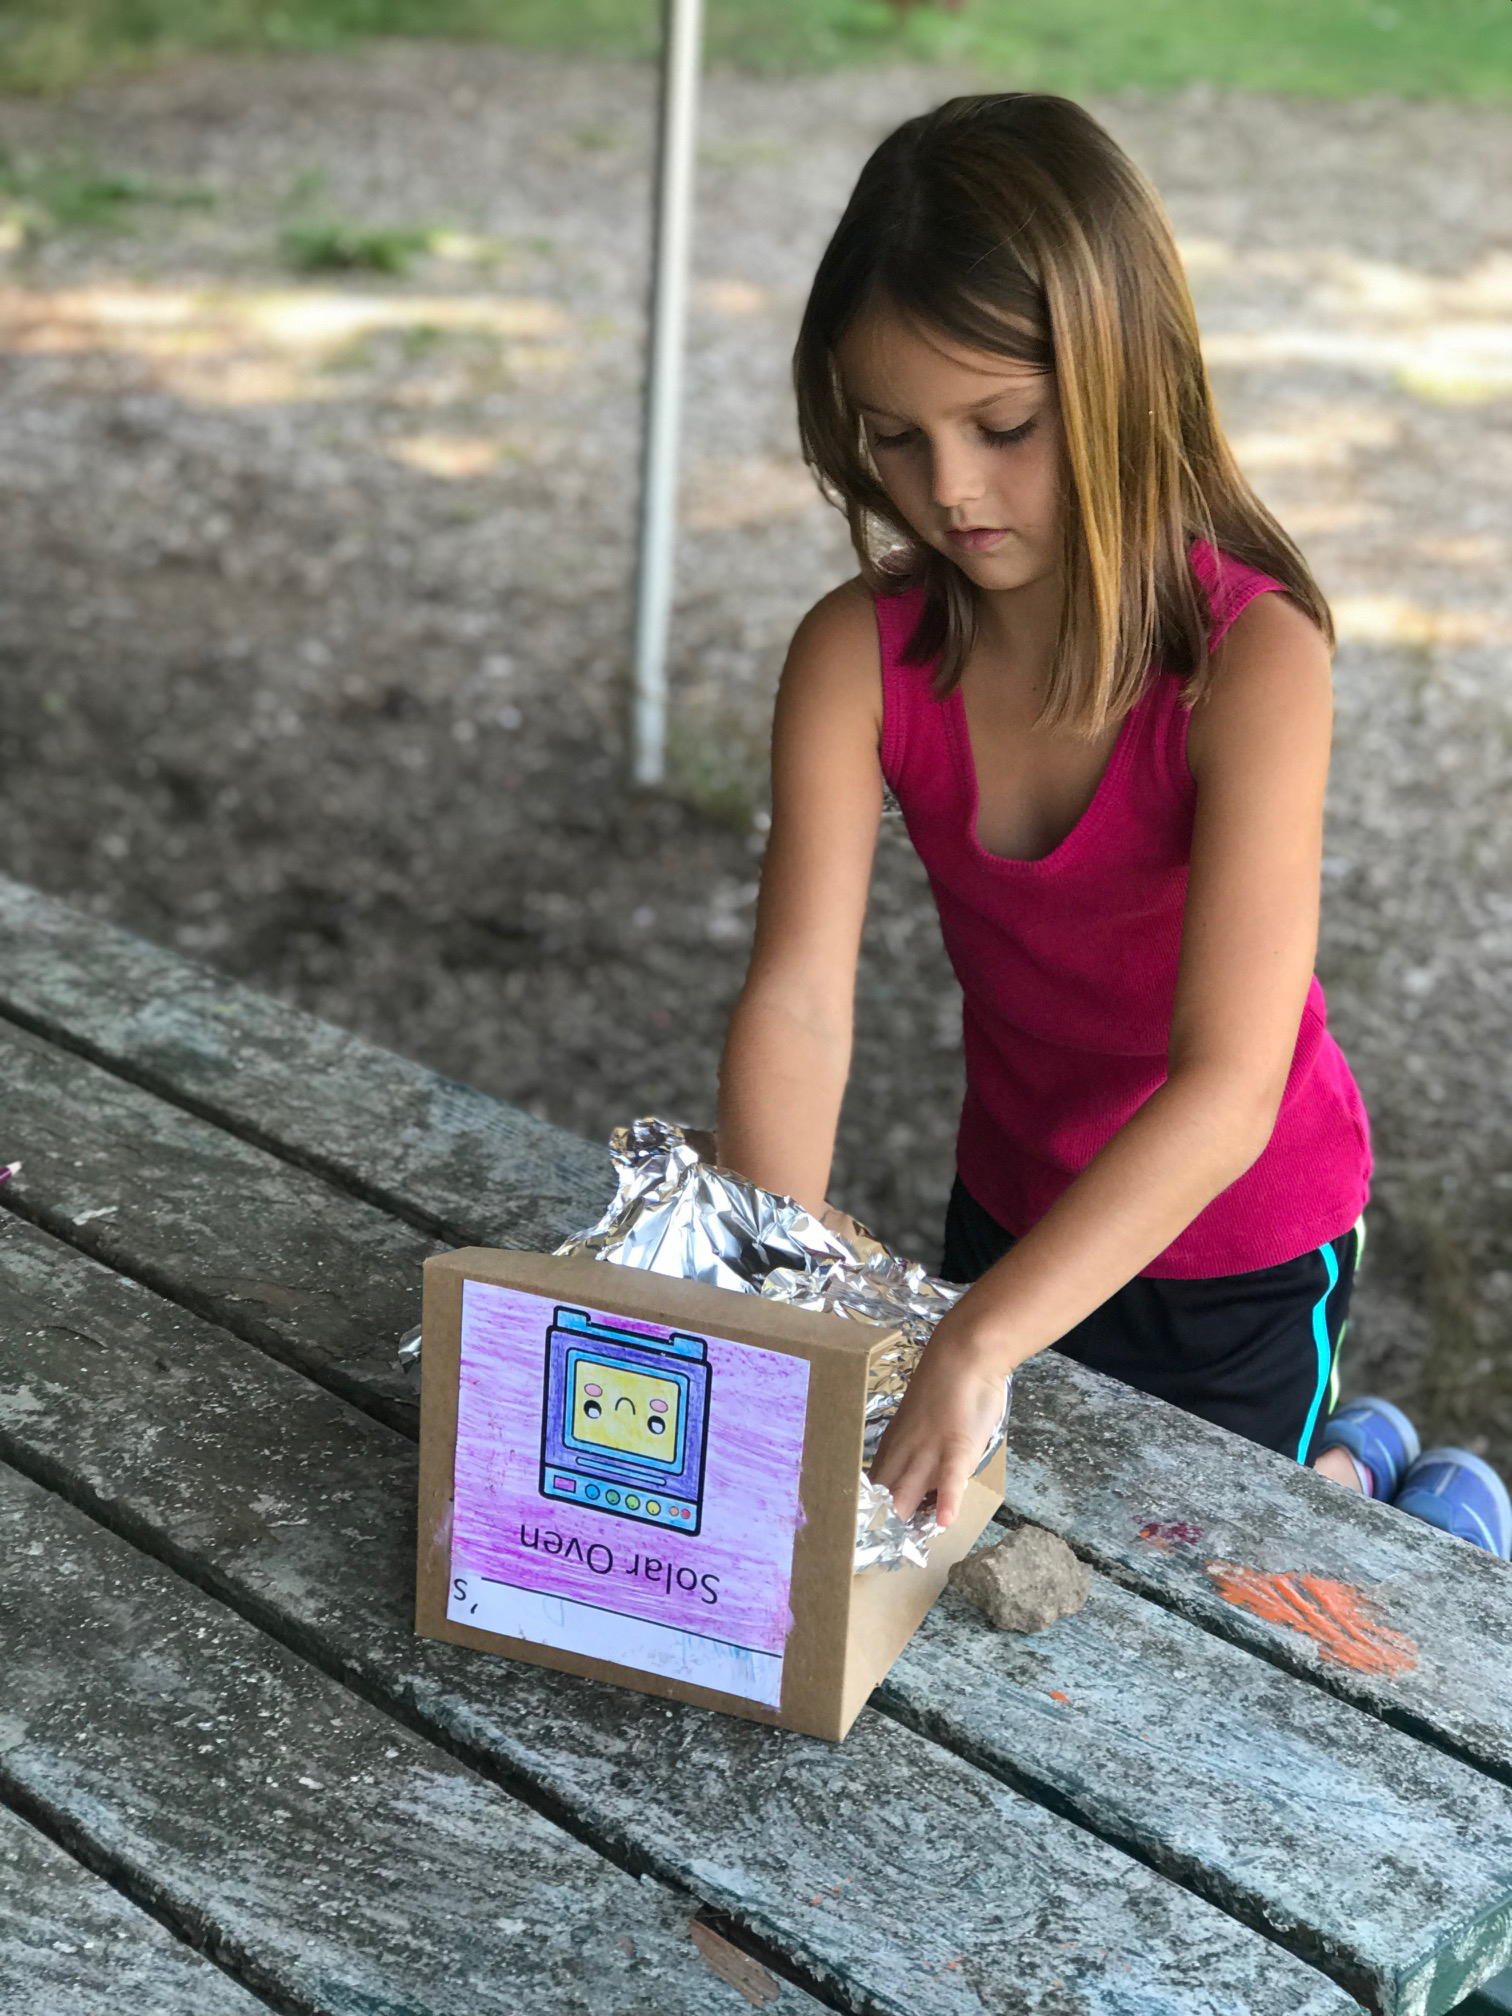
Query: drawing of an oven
x,y
625,1421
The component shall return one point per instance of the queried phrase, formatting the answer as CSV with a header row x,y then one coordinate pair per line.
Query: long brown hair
x,y
1013,223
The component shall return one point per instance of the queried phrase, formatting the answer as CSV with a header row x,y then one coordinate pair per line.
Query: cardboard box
x,y
654,1482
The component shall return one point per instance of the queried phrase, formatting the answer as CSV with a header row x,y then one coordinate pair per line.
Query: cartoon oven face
x,y
625,1421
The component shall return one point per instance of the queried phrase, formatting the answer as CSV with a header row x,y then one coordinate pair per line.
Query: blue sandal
x,y
1461,1493
1376,1434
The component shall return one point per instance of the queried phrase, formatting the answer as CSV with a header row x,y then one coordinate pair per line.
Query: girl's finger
x,y
909,1490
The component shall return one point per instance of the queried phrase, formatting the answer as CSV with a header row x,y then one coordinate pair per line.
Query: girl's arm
x,y
1249,938
787,1053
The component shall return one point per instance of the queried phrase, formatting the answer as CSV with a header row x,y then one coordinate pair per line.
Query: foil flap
x,y
677,1212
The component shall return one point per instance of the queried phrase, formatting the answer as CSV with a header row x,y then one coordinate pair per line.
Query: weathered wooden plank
x,y
335,1858
902,1878
1090,1458
278,1255
195,1046
467,1166
1279,1802
199,1211
70,1945
1203,1522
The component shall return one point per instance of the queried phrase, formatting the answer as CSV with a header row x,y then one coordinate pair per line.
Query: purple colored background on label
x,y
743,1554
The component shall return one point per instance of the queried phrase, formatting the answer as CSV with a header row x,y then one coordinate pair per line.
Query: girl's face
x,y
968,446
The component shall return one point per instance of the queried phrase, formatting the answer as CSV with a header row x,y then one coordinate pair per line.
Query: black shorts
x,y
1256,1352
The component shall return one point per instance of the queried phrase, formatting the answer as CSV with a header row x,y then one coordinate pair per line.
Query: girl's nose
x,y
956,476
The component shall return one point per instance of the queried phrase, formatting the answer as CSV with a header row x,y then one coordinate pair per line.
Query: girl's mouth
x,y
979,538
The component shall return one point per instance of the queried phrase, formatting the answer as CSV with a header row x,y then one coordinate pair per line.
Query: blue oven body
x,y
625,1422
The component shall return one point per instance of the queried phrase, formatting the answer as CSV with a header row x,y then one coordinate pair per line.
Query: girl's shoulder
x,y
1229,585
1273,667
843,622
835,652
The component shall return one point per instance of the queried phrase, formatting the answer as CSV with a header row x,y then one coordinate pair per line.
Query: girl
x,y
1095,673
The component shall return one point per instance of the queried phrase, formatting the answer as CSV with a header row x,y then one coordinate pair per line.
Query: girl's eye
x,y
997,437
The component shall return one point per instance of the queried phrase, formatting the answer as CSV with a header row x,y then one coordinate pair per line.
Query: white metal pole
x,y
682,35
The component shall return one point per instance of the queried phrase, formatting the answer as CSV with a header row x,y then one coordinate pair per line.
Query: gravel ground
x,y
314,606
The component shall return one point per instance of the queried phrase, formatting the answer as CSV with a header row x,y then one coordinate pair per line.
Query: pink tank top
x,y
1067,968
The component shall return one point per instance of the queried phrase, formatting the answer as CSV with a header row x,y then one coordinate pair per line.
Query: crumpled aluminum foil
x,y
677,1212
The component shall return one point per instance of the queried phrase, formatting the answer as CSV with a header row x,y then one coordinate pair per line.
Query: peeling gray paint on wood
x,y
210,1041
1090,1458
482,1172
1102,1465
276,1254
906,1879
1376,1856
70,1945
338,1859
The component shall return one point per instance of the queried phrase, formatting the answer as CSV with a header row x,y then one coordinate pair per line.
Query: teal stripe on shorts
x,y
1325,1349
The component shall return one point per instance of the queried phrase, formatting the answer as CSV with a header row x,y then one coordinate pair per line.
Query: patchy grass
x,y
40,197
315,238
306,189
714,774
420,339
1346,48
474,361
331,247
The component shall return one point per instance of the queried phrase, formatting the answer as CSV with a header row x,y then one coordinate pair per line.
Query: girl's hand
x,y
943,1423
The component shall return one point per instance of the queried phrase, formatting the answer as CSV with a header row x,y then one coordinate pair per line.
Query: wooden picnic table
x,y
1267,1768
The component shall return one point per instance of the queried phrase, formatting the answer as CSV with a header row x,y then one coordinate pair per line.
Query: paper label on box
x,y
626,1490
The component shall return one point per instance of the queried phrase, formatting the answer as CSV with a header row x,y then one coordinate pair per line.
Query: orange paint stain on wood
x,y
1335,1614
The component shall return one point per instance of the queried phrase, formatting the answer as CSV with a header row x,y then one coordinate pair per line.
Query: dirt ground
x,y
314,591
